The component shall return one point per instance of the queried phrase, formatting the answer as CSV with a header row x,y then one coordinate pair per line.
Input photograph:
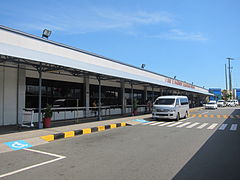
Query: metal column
x,y
152,94
132,97
99,99
40,125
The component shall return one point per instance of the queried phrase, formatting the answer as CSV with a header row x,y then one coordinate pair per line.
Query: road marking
x,y
205,115
165,123
200,115
225,116
182,125
205,112
212,126
192,125
174,124
218,116
233,127
17,145
222,127
202,126
149,123
211,116
194,115
58,157
156,123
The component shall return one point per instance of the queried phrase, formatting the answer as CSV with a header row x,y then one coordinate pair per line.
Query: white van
x,y
170,107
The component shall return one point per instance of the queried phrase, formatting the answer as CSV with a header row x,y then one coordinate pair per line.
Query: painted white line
x,y
205,112
192,125
222,127
212,126
187,118
59,157
167,123
156,123
149,123
202,126
182,125
233,127
177,123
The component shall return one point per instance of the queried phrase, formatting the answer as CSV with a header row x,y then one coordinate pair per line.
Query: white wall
x,y
1,95
10,96
11,101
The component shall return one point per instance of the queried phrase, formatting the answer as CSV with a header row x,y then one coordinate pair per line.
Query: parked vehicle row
x,y
221,103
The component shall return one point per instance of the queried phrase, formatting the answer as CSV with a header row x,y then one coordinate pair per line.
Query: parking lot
x,y
204,148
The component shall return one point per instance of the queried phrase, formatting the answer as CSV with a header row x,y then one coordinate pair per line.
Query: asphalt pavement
x,y
204,146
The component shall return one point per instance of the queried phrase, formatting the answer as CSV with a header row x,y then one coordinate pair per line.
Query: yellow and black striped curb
x,y
69,134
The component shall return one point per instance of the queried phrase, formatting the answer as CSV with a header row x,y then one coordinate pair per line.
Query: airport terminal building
x,y
35,72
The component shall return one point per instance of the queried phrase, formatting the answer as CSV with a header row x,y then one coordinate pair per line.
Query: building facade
x,y
35,72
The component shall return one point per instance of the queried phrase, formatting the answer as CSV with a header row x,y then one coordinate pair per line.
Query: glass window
x,y
165,101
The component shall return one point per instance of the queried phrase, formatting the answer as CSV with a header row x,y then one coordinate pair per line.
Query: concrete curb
x,y
195,109
74,133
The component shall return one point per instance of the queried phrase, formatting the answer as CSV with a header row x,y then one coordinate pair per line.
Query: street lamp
x,y
46,33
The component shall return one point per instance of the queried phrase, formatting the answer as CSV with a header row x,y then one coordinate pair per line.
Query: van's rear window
x,y
164,101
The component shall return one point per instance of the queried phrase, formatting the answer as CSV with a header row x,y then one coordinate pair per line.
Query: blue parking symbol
x,y
17,145
140,120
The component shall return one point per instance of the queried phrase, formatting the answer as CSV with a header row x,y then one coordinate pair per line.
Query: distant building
x,y
217,94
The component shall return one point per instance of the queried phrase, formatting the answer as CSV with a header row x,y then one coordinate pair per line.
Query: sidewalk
x,y
33,135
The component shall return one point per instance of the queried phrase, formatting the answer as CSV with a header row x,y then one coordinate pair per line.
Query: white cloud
x,y
176,34
93,20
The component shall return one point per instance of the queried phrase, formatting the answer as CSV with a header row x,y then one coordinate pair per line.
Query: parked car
x,y
235,102
211,105
170,107
230,103
61,103
221,103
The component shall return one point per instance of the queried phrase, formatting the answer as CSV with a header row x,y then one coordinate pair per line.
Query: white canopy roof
x,y
18,44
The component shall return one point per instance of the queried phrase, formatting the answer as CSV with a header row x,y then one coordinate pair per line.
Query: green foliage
x,y
48,111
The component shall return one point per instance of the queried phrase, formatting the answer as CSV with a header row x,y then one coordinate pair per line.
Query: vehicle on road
x,y
211,105
230,103
235,102
221,103
170,107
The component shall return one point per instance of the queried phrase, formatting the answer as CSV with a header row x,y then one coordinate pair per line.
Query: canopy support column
x,y
40,125
99,98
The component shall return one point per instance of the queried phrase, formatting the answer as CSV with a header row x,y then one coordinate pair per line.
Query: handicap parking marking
x,y
17,145
141,120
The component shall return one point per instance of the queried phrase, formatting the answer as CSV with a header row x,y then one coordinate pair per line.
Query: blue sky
x,y
183,38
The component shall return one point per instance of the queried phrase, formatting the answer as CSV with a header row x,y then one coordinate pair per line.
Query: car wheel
x,y
178,117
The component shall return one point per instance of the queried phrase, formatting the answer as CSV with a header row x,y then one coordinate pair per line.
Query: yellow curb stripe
x,y
211,116
48,138
123,124
200,115
194,115
69,134
113,126
87,131
101,128
225,116
205,115
218,116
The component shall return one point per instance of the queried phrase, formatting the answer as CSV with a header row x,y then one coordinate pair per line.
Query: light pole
x,y
226,77
229,75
